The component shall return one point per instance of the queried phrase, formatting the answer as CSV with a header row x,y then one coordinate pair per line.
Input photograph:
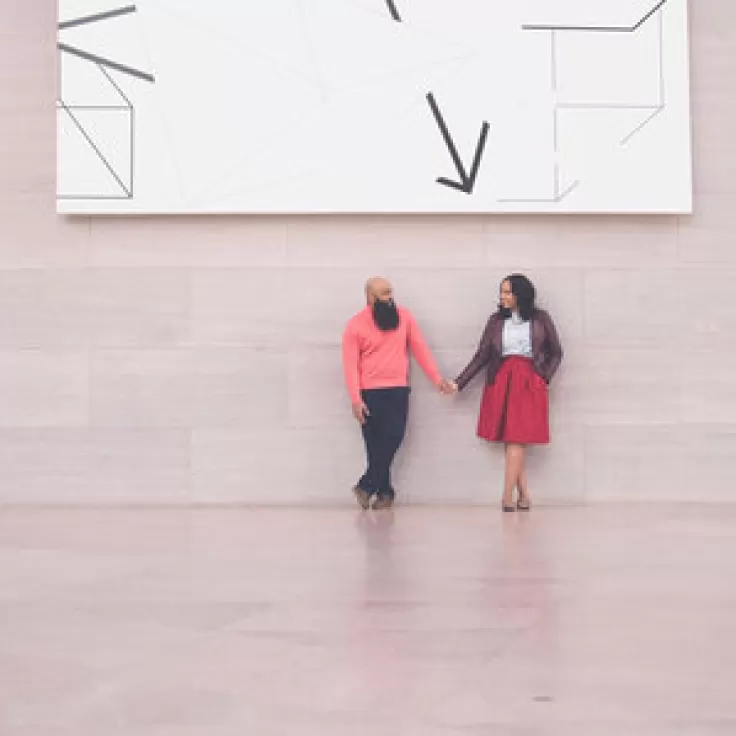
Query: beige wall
x,y
180,360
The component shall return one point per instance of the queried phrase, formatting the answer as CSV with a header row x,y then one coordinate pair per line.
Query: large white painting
x,y
299,106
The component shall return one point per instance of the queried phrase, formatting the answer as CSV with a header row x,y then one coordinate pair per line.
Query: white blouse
x,y
517,337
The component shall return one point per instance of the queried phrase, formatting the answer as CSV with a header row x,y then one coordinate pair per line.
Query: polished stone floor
x,y
600,621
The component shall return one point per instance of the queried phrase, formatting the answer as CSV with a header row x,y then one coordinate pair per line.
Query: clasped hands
x,y
448,387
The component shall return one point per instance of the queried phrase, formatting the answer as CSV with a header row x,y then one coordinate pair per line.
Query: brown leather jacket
x,y
546,349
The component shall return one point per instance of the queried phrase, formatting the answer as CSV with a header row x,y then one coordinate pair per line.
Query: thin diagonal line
x,y
96,150
106,62
648,15
641,126
567,191
96,17
115,84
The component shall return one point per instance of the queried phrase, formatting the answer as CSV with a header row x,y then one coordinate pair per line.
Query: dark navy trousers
x,y
383,433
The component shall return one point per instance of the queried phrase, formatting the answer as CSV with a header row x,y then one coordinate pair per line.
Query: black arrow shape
x,y
393,10
467,181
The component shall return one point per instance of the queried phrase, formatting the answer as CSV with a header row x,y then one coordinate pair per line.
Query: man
x,y
375,351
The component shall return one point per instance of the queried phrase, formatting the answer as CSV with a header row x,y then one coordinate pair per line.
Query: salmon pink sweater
x,y
376,359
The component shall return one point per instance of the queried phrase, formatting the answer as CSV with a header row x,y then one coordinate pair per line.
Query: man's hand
x,y
360,412
448,387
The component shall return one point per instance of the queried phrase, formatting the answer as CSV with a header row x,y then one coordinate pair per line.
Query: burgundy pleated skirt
x,y
515,407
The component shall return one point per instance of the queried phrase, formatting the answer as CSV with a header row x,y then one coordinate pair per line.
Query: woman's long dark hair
x,y
526,295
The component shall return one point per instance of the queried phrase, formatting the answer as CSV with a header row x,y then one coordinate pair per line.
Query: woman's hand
x,y
448,388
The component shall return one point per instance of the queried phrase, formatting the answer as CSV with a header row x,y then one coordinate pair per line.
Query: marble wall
x,y
181,360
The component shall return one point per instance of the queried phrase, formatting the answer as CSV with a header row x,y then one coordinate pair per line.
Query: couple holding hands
x,y
519,350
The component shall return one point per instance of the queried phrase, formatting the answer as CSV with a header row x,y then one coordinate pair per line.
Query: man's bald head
x,y
378,289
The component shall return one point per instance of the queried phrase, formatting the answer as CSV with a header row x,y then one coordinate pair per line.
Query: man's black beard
x,y
386,315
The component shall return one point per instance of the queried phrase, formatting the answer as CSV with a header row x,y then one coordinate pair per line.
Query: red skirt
x,y
515,407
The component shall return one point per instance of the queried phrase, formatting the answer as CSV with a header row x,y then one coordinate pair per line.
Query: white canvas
x,y
347,106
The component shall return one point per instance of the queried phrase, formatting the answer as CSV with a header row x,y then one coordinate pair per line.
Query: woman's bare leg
x,y
522,486
514,468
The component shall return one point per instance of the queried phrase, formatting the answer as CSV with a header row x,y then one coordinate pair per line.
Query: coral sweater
x,y
376,359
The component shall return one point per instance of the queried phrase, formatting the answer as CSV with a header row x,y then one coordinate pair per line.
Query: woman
x,y
521,352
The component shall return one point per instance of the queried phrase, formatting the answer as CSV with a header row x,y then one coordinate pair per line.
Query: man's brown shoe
x,y
383,504
364,500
